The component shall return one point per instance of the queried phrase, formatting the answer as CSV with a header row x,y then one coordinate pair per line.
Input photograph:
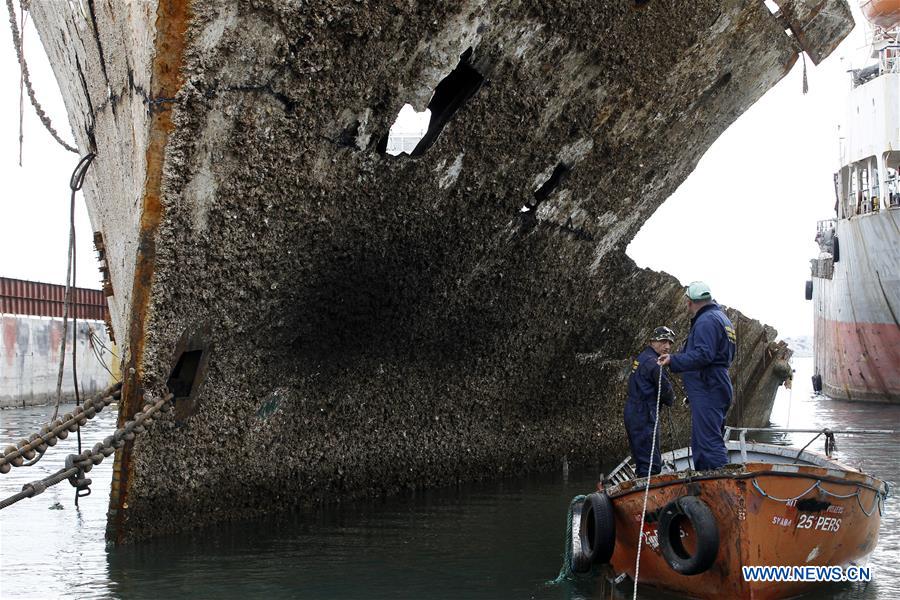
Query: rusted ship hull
x,y
856,302
340,321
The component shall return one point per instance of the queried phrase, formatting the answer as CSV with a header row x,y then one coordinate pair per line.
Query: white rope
x,y
637,562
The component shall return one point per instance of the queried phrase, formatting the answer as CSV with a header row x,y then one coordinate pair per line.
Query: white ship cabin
x,y
870,134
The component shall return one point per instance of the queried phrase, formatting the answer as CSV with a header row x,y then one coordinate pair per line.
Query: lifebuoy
x,y
598,528
694,510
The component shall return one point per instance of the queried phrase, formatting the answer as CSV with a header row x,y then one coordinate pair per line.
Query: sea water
x,y
497,540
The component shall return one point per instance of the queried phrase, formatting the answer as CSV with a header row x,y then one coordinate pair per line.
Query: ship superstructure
x,y
855,287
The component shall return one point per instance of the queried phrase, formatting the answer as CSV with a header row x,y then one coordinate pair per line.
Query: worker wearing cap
x,y
707,354
640,407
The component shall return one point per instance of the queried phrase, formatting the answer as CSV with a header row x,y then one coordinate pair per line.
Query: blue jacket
x,y
644,379
706,356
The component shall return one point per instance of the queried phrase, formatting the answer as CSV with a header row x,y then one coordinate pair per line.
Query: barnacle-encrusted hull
x,y
340,321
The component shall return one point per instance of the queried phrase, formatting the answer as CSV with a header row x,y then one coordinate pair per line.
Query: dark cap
x,y
663,333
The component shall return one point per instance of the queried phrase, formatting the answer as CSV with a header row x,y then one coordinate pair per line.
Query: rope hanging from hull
x,y
17,42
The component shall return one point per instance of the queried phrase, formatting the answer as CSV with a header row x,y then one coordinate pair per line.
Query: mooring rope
x,y
76,181
79,464
17,42
21,85
637,562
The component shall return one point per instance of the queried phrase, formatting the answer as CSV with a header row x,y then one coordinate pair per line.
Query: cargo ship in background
x,y
855,287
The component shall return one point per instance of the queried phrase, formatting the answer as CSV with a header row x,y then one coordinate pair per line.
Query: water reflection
x,y
497,540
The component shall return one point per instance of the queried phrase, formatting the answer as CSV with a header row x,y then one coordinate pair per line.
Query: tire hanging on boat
x,y
701,518
598,528
579,561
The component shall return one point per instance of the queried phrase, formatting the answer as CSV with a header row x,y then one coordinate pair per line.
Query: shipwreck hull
x,y
337,321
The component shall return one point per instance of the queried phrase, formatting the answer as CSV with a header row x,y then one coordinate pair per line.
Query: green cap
x,y
697,290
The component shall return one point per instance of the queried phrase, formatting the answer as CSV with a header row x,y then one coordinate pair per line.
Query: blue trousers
x,y
708,417
639,419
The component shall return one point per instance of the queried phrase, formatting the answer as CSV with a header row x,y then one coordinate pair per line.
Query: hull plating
x,y
857,336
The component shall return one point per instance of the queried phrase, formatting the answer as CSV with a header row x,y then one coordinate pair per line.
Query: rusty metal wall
x,y
19,297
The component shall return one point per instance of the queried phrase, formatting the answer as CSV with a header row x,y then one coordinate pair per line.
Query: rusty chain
x,y
79,464
16,454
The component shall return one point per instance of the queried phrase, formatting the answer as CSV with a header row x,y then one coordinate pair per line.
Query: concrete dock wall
x,y
29,359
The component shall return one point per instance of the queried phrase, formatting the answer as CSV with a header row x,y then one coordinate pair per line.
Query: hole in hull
x,y
184,375
407,131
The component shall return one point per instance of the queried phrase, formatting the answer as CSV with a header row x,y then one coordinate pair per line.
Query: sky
x,y
743,221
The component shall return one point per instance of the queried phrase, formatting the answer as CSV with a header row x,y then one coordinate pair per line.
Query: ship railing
x,y
825,225
828,433
626,470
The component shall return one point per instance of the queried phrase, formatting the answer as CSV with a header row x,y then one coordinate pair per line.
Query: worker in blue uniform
x,y
704,361
640,407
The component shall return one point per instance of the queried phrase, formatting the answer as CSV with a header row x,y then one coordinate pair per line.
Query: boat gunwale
x,y
614,492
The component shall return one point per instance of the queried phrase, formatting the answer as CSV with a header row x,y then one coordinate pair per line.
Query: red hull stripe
x,y
861,361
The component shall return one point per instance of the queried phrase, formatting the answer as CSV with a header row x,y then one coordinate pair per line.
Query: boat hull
x,y
819,529
884,13
856,302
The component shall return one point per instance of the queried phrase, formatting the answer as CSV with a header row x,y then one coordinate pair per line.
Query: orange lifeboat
x,y
771,506
884,13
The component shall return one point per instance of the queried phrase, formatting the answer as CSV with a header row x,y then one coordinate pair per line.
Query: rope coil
x,y
79,464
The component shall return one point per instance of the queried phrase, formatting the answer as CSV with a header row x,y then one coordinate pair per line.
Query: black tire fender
x,y
703,521
598,528
809,289
836,251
